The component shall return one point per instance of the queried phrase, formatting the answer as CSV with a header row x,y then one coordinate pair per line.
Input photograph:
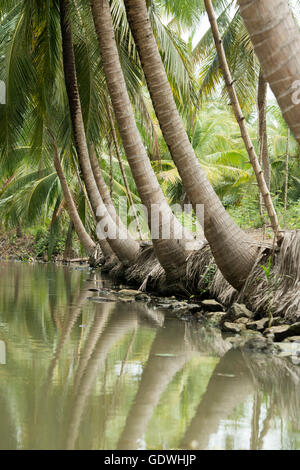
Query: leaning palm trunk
x,y
233,250
68,243
263,187
84,237
102,188
157,375
105,194
121,244
276,41
129,196
169,239
115,329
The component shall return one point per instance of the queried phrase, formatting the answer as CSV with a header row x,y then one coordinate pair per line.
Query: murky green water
x,y
75,374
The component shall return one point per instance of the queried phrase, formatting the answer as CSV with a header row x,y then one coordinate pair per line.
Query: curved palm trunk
x,y
105,247
276,41
114,331
233,250
103,190
121,244
115,140
106,195
171,252
222,396
157,375
84,237
68,243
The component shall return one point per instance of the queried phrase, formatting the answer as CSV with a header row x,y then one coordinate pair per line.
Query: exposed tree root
x,y
109,264
145,262
118,271
147,272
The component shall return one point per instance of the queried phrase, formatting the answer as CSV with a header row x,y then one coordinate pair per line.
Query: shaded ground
x,y
13,247
23,247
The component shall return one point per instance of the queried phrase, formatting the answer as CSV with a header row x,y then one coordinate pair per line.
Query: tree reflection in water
x,y
84,375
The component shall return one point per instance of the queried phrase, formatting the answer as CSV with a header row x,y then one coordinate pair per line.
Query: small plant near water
x,y
47,244
208,277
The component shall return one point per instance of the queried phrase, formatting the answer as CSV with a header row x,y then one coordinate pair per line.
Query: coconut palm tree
x,y
29,53
171,251
263,186
122,244
276,39
233,250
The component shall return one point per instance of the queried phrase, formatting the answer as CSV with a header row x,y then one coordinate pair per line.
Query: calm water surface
x,y
79,374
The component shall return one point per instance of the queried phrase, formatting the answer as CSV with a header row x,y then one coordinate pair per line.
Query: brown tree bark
x,y
117,149
276,41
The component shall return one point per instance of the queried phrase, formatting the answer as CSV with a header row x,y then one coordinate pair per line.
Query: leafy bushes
x,y
48,243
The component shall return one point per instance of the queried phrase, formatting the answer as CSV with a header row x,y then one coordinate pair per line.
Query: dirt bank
x,y
13,247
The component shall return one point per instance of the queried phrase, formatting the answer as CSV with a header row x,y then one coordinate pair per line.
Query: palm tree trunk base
x,y
109,264
277,292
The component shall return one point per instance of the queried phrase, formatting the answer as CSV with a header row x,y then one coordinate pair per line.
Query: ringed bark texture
x,y
276,41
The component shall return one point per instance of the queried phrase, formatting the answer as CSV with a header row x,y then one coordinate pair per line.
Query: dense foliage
x,y
31,199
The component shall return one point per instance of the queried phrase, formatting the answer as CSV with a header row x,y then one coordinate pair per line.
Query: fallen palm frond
x,y
147,272
200,269
222,290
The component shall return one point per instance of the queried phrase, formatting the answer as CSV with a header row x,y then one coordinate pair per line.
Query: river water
x,y
77,373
